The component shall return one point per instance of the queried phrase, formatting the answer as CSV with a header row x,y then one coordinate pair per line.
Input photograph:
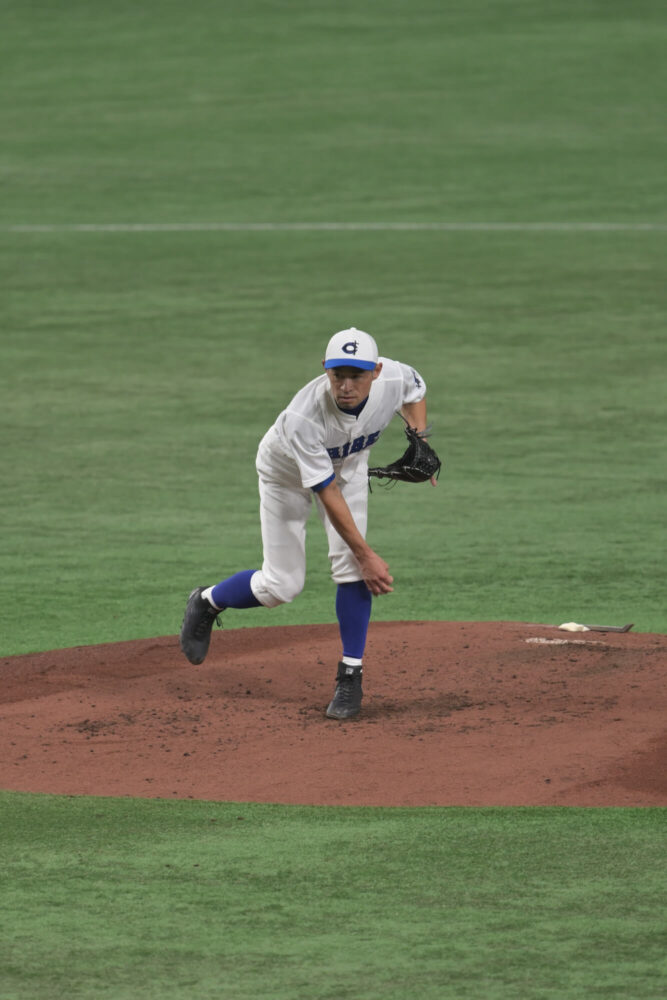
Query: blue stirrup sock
x,y
353,610
353,607
234,592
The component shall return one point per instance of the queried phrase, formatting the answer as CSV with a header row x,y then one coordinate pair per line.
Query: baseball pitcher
x,y
318,448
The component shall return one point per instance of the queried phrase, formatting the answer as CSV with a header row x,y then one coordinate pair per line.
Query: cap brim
x,y
349,363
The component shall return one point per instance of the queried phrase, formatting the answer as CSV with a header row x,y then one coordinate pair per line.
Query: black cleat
x,y
346,701
196,628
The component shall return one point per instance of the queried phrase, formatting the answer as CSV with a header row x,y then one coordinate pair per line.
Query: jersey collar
x,y
357,409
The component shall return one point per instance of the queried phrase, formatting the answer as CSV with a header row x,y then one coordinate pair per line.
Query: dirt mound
x,y
454,714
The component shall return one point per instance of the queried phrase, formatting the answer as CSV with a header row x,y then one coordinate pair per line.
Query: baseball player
x,y
318,449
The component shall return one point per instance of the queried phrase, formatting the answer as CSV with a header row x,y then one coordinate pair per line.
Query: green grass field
x,y
124,899
146,369
139,368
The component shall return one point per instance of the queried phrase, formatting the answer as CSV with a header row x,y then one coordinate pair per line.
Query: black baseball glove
x,y
417,464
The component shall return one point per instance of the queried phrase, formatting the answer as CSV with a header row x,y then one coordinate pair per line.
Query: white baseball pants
x,y
285,507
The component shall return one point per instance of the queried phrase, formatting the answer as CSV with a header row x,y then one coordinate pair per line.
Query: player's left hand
x,y
419,463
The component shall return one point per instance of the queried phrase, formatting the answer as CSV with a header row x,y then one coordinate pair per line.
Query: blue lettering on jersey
x,y
351,447
418,381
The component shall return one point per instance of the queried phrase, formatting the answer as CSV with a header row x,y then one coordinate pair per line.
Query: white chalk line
x,y
249,227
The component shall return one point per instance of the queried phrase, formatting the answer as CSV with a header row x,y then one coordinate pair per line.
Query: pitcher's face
x,y
351,386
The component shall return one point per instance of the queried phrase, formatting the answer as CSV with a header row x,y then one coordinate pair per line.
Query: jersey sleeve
x,y
303,438
414,386
320,486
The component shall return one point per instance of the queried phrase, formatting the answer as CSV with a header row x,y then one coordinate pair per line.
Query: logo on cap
x,y
351,347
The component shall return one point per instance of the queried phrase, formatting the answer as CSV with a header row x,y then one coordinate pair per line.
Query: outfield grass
x,y
139,370
114,898
488,110
146,368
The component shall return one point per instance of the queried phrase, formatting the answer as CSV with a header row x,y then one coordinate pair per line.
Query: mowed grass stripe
x,y
452,227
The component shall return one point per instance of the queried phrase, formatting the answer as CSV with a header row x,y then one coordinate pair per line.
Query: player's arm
x,y
374,569
415,414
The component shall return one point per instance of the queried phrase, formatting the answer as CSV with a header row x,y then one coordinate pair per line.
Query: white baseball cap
x,y
351,349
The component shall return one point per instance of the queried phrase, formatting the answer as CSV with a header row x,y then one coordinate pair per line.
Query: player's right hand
x,y
376,574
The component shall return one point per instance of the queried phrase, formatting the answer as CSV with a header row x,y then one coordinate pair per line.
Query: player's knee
x,y
344,568
273,590
285,593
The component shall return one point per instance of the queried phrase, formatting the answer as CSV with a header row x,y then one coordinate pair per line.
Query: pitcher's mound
x,y
454,714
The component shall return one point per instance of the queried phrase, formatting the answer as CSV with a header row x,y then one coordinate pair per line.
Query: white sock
x,y
206,594
350,661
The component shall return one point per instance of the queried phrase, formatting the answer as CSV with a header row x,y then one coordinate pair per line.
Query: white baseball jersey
x,y
313,439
